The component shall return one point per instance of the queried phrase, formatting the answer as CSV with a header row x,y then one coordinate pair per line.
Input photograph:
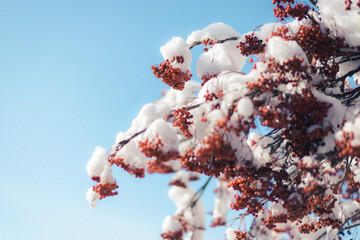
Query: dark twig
x,y
218,41
314,2
120,144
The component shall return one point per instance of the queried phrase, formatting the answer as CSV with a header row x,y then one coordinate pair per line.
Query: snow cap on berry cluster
x,y
97,162
283,50
351,127
214,32
177,47
160,129
220,58
99,169
99,166
171,225
148,113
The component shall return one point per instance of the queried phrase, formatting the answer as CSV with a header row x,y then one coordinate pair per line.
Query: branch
x,y
356,214
198,194
314,2
218,41
119,145
349,74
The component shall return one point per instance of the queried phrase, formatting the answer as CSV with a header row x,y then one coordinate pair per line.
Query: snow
x,y
165,132
132,154
92,197
195,215
223,199
177,47
171,224
97,162
148,113
220,58
283,50
215,31
341,22
245,107
230,234
174,98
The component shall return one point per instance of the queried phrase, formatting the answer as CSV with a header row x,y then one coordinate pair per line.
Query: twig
x,y
120,144
314,2
198,194
218,41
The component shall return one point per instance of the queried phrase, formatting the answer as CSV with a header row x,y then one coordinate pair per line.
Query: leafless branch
x,y
313,2
218,41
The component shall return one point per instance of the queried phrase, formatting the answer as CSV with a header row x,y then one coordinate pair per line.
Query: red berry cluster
x,y
208,42
252,45
152,149
206,78
173,77
214,157
105,189
214,95
305,111
296,11
172,235
317,43
345,147
289,71
348,4
241,235
138,172
182,117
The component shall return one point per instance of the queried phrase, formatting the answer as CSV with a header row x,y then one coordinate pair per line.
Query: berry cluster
x,y
172,235
252,45
295,11
214,95
214,157
206,78
152,149
105,189
173,77
348,4
182,117
138,172
345,147
208,43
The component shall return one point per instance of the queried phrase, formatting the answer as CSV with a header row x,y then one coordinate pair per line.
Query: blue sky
x,y
73,73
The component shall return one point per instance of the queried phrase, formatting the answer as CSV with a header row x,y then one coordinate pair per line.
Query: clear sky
x,y
73,73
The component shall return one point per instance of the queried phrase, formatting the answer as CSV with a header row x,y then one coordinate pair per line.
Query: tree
x,y
301,179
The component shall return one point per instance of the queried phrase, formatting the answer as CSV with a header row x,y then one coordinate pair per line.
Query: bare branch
x,y
313,2
218,41
122,143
